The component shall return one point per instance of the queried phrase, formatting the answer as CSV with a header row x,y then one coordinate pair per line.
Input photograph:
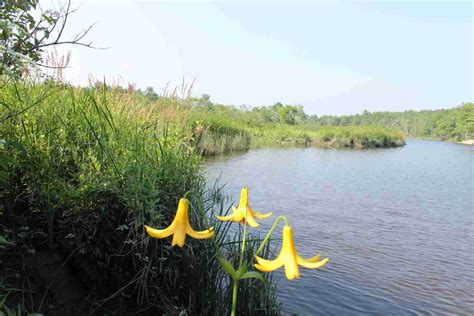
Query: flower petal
x,y
292,271
160,233
267,265
226,218
316,258
262,216
205,234
312,265
251,220
179,236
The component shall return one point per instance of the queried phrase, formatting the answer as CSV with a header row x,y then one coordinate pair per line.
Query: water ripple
x,y
397,224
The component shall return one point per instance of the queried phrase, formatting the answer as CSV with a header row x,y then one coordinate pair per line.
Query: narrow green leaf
x,y
18,146
252,275
227,266
4,160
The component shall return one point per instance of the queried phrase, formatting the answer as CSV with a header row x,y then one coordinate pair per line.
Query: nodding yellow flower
x,y
180,227
289,258
243,212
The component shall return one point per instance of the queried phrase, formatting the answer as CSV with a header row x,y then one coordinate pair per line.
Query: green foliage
x,y
231,129
84,169
21,34
453,124
26,31
359,137
288,114
217,137
221,129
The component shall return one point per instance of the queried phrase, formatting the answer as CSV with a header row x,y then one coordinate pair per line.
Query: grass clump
x,y
82,169
358,137
352,137
220,137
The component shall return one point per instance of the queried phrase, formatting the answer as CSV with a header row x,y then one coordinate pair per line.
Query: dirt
x,y
49,284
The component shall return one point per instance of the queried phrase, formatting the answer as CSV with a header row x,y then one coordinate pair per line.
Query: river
x,y
397,224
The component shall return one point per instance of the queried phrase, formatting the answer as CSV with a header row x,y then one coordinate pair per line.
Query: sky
x,y
332,57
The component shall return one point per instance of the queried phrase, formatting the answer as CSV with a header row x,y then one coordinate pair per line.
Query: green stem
x,y
270,232
244,240
242,251
208,224
234,298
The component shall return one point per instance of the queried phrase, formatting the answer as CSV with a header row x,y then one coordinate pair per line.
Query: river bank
x,y
81,171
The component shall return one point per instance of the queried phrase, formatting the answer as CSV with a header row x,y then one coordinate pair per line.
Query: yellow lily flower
x,y
289,258
180,227
244,212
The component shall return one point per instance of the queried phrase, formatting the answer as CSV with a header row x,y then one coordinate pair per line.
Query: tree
x,y
26,30
151,94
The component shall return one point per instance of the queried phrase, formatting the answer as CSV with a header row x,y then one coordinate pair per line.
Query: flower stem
x,y
270,232
186,194
234,298
242,252
244,240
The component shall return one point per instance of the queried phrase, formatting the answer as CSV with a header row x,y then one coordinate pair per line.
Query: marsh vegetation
x,y
83,169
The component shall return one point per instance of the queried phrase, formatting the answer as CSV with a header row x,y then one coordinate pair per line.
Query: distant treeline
x,y
224,128
454,124
451,124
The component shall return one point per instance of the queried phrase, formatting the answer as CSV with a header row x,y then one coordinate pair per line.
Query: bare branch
x,y
66,15
88,45
51,67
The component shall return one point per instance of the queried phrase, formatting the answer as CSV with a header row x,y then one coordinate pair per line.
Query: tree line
x,y
446,124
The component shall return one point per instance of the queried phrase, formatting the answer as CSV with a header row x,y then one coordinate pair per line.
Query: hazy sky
x,y
332,57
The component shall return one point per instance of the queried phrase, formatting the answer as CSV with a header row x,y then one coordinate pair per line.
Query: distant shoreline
x,y
467,142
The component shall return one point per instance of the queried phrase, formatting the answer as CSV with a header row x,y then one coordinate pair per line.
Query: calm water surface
x,y
397,224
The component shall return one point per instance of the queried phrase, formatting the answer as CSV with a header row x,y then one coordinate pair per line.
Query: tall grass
x,y
219,137
356,137
82,170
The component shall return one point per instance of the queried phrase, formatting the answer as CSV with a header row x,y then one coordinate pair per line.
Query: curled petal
x,y
226,218
312,265
262,216
205,234
251,220
160,233
313,259
267,265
